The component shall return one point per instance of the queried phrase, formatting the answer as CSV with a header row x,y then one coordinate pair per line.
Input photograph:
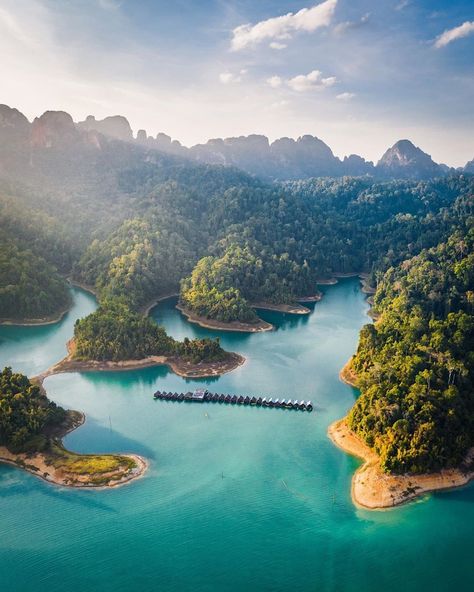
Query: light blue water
x,y
235,498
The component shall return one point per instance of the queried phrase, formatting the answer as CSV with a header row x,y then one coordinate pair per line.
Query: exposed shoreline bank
x,y
347,374
362,275
150,305
257,327
38,464
178,366
296,309
84,287
373,489
50,320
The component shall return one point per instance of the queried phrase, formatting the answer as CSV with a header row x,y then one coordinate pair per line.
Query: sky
x,y
359,74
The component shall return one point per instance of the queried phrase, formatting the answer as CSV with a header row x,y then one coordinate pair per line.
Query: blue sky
x,y
359,74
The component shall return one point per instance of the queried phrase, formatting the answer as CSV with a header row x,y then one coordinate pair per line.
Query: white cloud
x,y
278,104
274,81
230,78
402,4
110,4
450,35
313,80
281,27
277,45
341,28
345,96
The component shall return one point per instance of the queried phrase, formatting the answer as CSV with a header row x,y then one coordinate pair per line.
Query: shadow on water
x,y
133,378
284,321
112,441
15,482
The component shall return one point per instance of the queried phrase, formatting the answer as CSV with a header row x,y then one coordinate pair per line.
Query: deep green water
x,y
235,498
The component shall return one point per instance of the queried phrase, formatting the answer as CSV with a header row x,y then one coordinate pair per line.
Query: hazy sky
x,y
359,74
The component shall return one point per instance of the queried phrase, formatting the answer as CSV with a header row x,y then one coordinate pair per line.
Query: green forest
x,y
135,229
32,251
24,413
415,366
115,332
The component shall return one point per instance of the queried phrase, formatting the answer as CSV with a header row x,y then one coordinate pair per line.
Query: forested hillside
x,y
24,413
136,224
33,247
415,366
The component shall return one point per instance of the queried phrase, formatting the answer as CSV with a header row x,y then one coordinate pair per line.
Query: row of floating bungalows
x,y
201,395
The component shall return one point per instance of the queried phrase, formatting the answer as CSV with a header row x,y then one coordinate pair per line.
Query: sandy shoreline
x,y
366,287
315,298
84,287
41,464
37,464
347,374
258,327
372,488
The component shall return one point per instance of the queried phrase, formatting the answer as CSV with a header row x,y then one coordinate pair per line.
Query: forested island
x,y
135,224
31,428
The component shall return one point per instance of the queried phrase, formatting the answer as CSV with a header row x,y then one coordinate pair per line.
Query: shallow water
x,y
235,498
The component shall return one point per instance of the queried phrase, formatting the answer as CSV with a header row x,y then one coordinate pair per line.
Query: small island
x,y
31,439
115,337
184,366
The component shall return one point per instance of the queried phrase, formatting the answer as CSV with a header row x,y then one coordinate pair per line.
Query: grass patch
x,y
88,464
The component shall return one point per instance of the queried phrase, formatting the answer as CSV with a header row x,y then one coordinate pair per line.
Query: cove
x,y
235,498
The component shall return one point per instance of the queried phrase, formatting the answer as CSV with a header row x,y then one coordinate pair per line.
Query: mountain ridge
x,y
283,159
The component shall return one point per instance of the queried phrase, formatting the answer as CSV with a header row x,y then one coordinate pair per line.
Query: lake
x,y
236,498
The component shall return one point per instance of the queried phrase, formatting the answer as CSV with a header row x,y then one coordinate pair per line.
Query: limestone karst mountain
x,y
283,159
405,160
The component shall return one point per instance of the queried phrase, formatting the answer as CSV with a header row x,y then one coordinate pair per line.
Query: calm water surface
x,y
235,498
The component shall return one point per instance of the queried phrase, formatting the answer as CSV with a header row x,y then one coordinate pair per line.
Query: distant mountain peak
x,y
114,126
404,159
52,129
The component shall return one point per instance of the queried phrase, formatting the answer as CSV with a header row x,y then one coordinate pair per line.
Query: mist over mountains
x,y
283,159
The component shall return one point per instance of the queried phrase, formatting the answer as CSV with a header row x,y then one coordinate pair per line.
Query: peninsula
x,y
372,488
31,439
257,326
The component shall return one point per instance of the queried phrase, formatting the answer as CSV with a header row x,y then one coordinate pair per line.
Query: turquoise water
x,y
235,498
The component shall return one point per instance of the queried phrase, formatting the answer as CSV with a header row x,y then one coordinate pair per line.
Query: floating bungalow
x,y
201,395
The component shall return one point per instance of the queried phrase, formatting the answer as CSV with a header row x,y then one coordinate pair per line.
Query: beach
x,y
373,489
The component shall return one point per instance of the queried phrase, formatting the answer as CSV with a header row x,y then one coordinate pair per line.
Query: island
x,y
184,366
116,337
31,439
